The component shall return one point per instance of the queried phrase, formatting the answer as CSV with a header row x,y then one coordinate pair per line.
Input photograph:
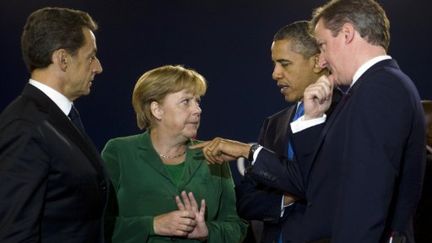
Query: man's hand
x,y
317,97
220,150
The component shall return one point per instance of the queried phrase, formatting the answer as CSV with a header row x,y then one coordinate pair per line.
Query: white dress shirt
x,y
58,98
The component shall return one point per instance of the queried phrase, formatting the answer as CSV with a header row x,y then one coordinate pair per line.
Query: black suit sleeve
x,y
23,172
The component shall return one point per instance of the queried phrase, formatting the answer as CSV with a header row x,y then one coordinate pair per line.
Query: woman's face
x,y
178,114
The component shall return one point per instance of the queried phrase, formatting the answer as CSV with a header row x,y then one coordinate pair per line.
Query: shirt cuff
x,y
302,124
284,206
255,155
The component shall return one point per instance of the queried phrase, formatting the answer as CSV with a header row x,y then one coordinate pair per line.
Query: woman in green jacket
x,y
158,180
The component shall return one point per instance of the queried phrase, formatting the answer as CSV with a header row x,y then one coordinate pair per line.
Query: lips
x,y
283,87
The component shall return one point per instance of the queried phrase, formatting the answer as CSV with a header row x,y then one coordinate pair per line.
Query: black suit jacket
x,y
423,218
363,181
256,201
53,181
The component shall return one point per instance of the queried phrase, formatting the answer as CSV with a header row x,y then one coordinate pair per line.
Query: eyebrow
x,y
282,60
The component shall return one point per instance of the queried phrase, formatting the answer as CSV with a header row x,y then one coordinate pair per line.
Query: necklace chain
x,y
171,157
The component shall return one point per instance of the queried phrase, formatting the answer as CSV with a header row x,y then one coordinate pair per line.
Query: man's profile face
x,y
82,68
292,71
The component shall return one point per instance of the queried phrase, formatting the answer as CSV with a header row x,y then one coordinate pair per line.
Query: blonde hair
x,y
157,83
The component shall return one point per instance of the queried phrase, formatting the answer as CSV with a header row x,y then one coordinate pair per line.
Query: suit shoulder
x,y
280,113
125,140
22,113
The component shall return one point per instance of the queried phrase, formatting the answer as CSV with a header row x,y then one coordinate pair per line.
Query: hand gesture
x,y
221,150
190,204
175,223
317,97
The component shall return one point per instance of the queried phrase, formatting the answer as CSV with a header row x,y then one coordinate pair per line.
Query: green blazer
x,y
145,189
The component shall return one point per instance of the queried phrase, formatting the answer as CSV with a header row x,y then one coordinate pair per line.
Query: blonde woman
x,y
166,191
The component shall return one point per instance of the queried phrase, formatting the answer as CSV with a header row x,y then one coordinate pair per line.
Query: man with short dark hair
x,y
53,181
295,55
362,181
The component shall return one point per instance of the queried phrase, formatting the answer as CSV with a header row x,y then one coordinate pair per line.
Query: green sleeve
x,y
119,228
228,227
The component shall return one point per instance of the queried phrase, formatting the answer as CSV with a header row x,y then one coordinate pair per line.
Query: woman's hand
x,y
175,223
189,203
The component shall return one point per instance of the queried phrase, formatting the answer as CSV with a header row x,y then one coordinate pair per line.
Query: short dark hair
x,y
367,17
302,41
51,28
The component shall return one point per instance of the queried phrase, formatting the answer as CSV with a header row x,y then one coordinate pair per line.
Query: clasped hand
x,y
188,221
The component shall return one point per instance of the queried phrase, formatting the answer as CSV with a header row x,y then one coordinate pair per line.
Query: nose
x,y
277,72
98,66
322,61
197,109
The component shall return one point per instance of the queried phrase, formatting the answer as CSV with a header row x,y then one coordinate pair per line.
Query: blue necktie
x,y
299,112
76,120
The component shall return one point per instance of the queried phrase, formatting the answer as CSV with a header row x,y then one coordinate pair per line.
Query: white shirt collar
x,y
365,66
59,99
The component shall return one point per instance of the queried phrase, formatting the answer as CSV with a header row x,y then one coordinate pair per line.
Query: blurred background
x,y
228,42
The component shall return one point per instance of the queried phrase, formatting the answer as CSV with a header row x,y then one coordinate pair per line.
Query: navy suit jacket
x,y
256,201
363,180
53,181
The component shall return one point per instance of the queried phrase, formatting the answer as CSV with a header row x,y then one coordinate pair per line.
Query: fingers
x,y
179,203
199,145
320,91
178,223
186,201
193,202
203,208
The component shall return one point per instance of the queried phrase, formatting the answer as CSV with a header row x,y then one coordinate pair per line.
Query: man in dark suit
x,y
295,57
53,182
362,181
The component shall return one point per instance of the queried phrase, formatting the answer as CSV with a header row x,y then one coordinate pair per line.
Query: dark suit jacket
x,y
363,181
53,182
256,201
423,218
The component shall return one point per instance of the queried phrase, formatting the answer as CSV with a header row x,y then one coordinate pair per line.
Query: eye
x,y
285,64
185,101
321,46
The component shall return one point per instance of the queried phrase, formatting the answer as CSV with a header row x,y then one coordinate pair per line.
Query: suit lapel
x,y
194,160
149,154
61,122
283,132
345,99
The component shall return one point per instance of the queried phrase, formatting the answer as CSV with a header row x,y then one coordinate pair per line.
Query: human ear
x,y
348,31
60,58
156,110
315,59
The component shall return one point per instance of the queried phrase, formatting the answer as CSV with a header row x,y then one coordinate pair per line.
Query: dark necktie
x,y
75,118
299,112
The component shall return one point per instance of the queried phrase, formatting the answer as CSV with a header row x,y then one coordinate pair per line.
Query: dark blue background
x,y
226,41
